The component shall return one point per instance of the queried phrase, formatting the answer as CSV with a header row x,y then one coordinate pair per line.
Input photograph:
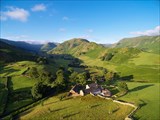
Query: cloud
x,y
26,38
152,32
14,13
36,41
39,7
17,37
65,18
62,30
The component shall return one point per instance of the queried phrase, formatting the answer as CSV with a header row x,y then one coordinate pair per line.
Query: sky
x,y
101,21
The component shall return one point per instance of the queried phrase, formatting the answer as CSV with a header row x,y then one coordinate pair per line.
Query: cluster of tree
x,y
107,56
42,60
61,56
122,86
80,78
104,70
48,83
40,90
111,77
76,63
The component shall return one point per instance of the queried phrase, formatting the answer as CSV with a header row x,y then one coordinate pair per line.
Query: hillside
x,y
11,53
48,46
127,60
146,43
78,108
76,46
23,45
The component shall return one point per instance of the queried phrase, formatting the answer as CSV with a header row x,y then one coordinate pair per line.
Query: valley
x,y
37,85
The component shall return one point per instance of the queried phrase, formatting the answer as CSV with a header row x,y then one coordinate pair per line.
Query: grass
x,y
145,58
3,94
92,62
19,92
17,68
19,86
147,73
20,82
146,95
79,108
140,73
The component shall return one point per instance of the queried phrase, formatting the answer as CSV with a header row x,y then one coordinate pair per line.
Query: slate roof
x,y
77,88
93,85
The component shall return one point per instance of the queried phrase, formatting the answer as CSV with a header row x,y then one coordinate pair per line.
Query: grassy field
x,y
145,58
19,86
147,73
147,96
97,62
78,108
17,68
19,92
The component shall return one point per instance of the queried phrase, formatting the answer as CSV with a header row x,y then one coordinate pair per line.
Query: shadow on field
x,y
140,87
70,115
127,78
96,105
142,103
51,102
56,110
7,70
136,117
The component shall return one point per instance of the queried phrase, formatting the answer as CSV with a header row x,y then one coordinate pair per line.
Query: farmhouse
x,y
93,88
106,93
77,90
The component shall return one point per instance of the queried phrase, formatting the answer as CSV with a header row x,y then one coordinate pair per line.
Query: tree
x,y
88,74
122,86
73,77
42,60
46,77
104,71
38,90
60,80
33,72
109,76
70,70
82,77
108,56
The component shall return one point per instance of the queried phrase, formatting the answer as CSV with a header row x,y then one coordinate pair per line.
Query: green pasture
x,y
145,95
78,108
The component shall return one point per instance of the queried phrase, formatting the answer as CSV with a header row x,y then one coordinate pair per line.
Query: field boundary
x,y
129,116
4,100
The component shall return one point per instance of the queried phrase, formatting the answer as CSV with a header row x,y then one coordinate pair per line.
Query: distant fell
x,y
76,46
145,43
9,53
48,46
23,45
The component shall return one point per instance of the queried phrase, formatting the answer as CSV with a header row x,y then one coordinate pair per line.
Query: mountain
x,y
76,46
48,46
24,45
107,45
11,53
145,43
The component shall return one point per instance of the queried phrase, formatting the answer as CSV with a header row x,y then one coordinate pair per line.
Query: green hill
x,y
146,43
77,46
11,53
48,46
78,108
23,45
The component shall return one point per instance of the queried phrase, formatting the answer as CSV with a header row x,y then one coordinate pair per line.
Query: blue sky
x,y
99,21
